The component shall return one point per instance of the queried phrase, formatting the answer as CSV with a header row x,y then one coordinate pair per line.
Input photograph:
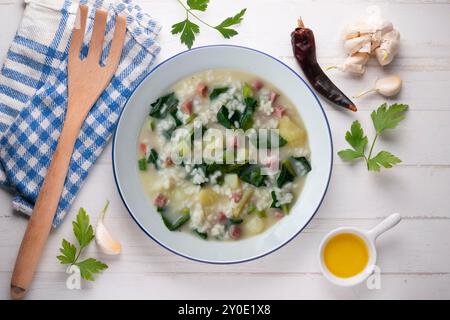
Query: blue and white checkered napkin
x,y
33,95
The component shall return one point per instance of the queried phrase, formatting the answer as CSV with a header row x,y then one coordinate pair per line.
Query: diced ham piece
x,y
186,107
233,142
160,200
143,148
202,90
279,214
235,232
168,162
271,162
257,85
272,165
273,96
279,111
236,196
222,217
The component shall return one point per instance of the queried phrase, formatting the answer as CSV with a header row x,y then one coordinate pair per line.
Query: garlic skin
x,y
107,244
388,86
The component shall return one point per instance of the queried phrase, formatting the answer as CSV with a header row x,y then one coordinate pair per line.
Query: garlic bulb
x,y
105,241
388,86
370,34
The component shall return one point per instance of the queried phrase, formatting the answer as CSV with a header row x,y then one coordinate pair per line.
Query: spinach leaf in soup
x,y
274,200
217,92
175,118
284,207
270,136
232,221
301,165
153,158
222,118
287,174
164,105
173,222
252,175
202,235
246,120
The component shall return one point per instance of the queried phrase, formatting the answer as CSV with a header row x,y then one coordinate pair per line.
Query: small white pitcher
x,y
369,237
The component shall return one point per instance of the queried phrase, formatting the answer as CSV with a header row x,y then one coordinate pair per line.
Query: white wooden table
x,y
414,258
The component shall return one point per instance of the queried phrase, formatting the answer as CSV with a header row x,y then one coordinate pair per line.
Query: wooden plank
x,y
414,246
232,286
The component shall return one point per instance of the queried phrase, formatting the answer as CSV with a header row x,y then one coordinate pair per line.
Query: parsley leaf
x,y
68,251
223,27
84,233
349,154
383,158
82,229
199,5
356,138
388,118
188,30
383,118
89,267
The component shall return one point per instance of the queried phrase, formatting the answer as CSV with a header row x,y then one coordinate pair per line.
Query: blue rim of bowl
x,y
222,262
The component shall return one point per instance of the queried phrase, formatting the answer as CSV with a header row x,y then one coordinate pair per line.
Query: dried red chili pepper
x,y
304,47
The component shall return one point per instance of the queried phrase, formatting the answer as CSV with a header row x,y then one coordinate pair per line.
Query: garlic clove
x,y
388,48
358,58
353,45
105,241
357,69
386,27
383,56
354,64
389,86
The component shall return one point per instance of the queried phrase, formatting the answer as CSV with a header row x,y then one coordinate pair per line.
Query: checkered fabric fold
x,y
33,94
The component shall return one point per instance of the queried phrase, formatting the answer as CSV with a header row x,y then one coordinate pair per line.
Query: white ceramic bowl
x,y
134,114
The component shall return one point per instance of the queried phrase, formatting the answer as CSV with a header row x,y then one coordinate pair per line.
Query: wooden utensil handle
x,y
44,210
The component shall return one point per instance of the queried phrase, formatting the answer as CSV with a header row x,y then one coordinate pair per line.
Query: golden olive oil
x,y
346,255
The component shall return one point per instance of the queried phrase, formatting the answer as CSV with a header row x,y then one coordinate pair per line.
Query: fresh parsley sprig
x,y
383,118
189,29
70,255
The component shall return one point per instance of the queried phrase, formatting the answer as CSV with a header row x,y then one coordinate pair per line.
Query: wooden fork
x,y
86,81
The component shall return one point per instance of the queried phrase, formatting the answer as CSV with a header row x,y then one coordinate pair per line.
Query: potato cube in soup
x,y
232,181
295,135
254,225
208,197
